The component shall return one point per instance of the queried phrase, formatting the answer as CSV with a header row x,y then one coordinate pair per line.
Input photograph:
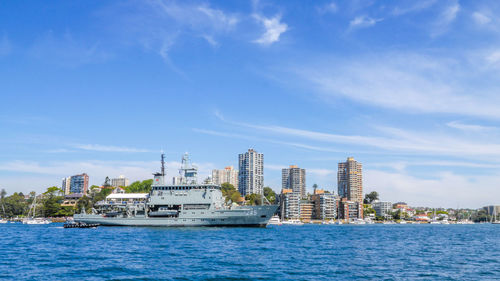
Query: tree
x,y
139,187
230,193
51,201
270,194
253,199
370,197
82,203
15,205
106,182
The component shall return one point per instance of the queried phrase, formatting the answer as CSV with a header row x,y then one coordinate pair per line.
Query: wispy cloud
x,y
106,148
445,189
481,18
469,127
328,8
445,19
363,21
390,139
67,51
409,82
412,7
273,29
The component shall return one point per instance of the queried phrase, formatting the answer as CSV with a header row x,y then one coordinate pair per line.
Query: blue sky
x,y
408,88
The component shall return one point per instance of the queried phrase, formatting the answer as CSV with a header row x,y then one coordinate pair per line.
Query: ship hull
x,y
247,216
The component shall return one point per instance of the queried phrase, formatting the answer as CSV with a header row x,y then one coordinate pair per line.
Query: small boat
x,y
402,222
339,222
3,221
80,225
358,221
292,222
36,221
388,222
275,220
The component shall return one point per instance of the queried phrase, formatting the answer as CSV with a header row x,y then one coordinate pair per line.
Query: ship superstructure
x,y
184,204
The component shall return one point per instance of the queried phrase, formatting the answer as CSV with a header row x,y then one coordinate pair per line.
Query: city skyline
x,y
408,89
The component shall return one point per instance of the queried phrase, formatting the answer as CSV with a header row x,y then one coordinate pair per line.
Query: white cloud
x,y
480,18
447,16
415,6
438,190
469,127
363,21
390,139
273,29
108,148
407,82
51,173
328,8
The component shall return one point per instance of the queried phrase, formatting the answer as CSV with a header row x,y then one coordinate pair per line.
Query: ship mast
x,y
163,164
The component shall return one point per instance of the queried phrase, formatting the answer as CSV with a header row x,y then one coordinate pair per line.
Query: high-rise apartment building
x,y
251,173
294,178
350,182
228,174
66,183
79,184
120,181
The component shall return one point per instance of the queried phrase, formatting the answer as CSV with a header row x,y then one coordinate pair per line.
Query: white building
x,y
66,184
120,181
251,173
382,208
228,174
290,204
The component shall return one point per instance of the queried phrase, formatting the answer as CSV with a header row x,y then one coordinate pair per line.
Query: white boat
x,y
31,215
358,221
275,220
3,221
495,221
445,221
292,222
402,222
388,222
36,221
339,222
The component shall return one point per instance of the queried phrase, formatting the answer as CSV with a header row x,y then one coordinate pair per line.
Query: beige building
x,y
120,181
228,174
350,182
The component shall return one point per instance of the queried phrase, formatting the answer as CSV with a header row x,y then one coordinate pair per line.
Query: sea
x,y
288,252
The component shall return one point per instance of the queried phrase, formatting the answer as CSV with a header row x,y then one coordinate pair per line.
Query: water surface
x,y
309,252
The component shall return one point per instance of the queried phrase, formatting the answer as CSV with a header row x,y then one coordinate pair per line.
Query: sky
x,y
408,88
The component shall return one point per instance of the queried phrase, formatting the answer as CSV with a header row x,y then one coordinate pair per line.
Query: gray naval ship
x,y
183,204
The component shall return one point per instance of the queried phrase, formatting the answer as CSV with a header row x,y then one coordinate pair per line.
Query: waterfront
x,y
309,252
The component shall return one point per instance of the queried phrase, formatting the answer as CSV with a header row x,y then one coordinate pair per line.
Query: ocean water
x,y
309,252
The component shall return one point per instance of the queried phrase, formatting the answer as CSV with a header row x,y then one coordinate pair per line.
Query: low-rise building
x,y
400,205
382,208
349,210
71,200
307,212
325,205
289,204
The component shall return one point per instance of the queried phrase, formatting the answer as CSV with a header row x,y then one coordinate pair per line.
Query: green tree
x,y
139,187
84,202
230,193
15,205
270,194
253,199
370,197
51,202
